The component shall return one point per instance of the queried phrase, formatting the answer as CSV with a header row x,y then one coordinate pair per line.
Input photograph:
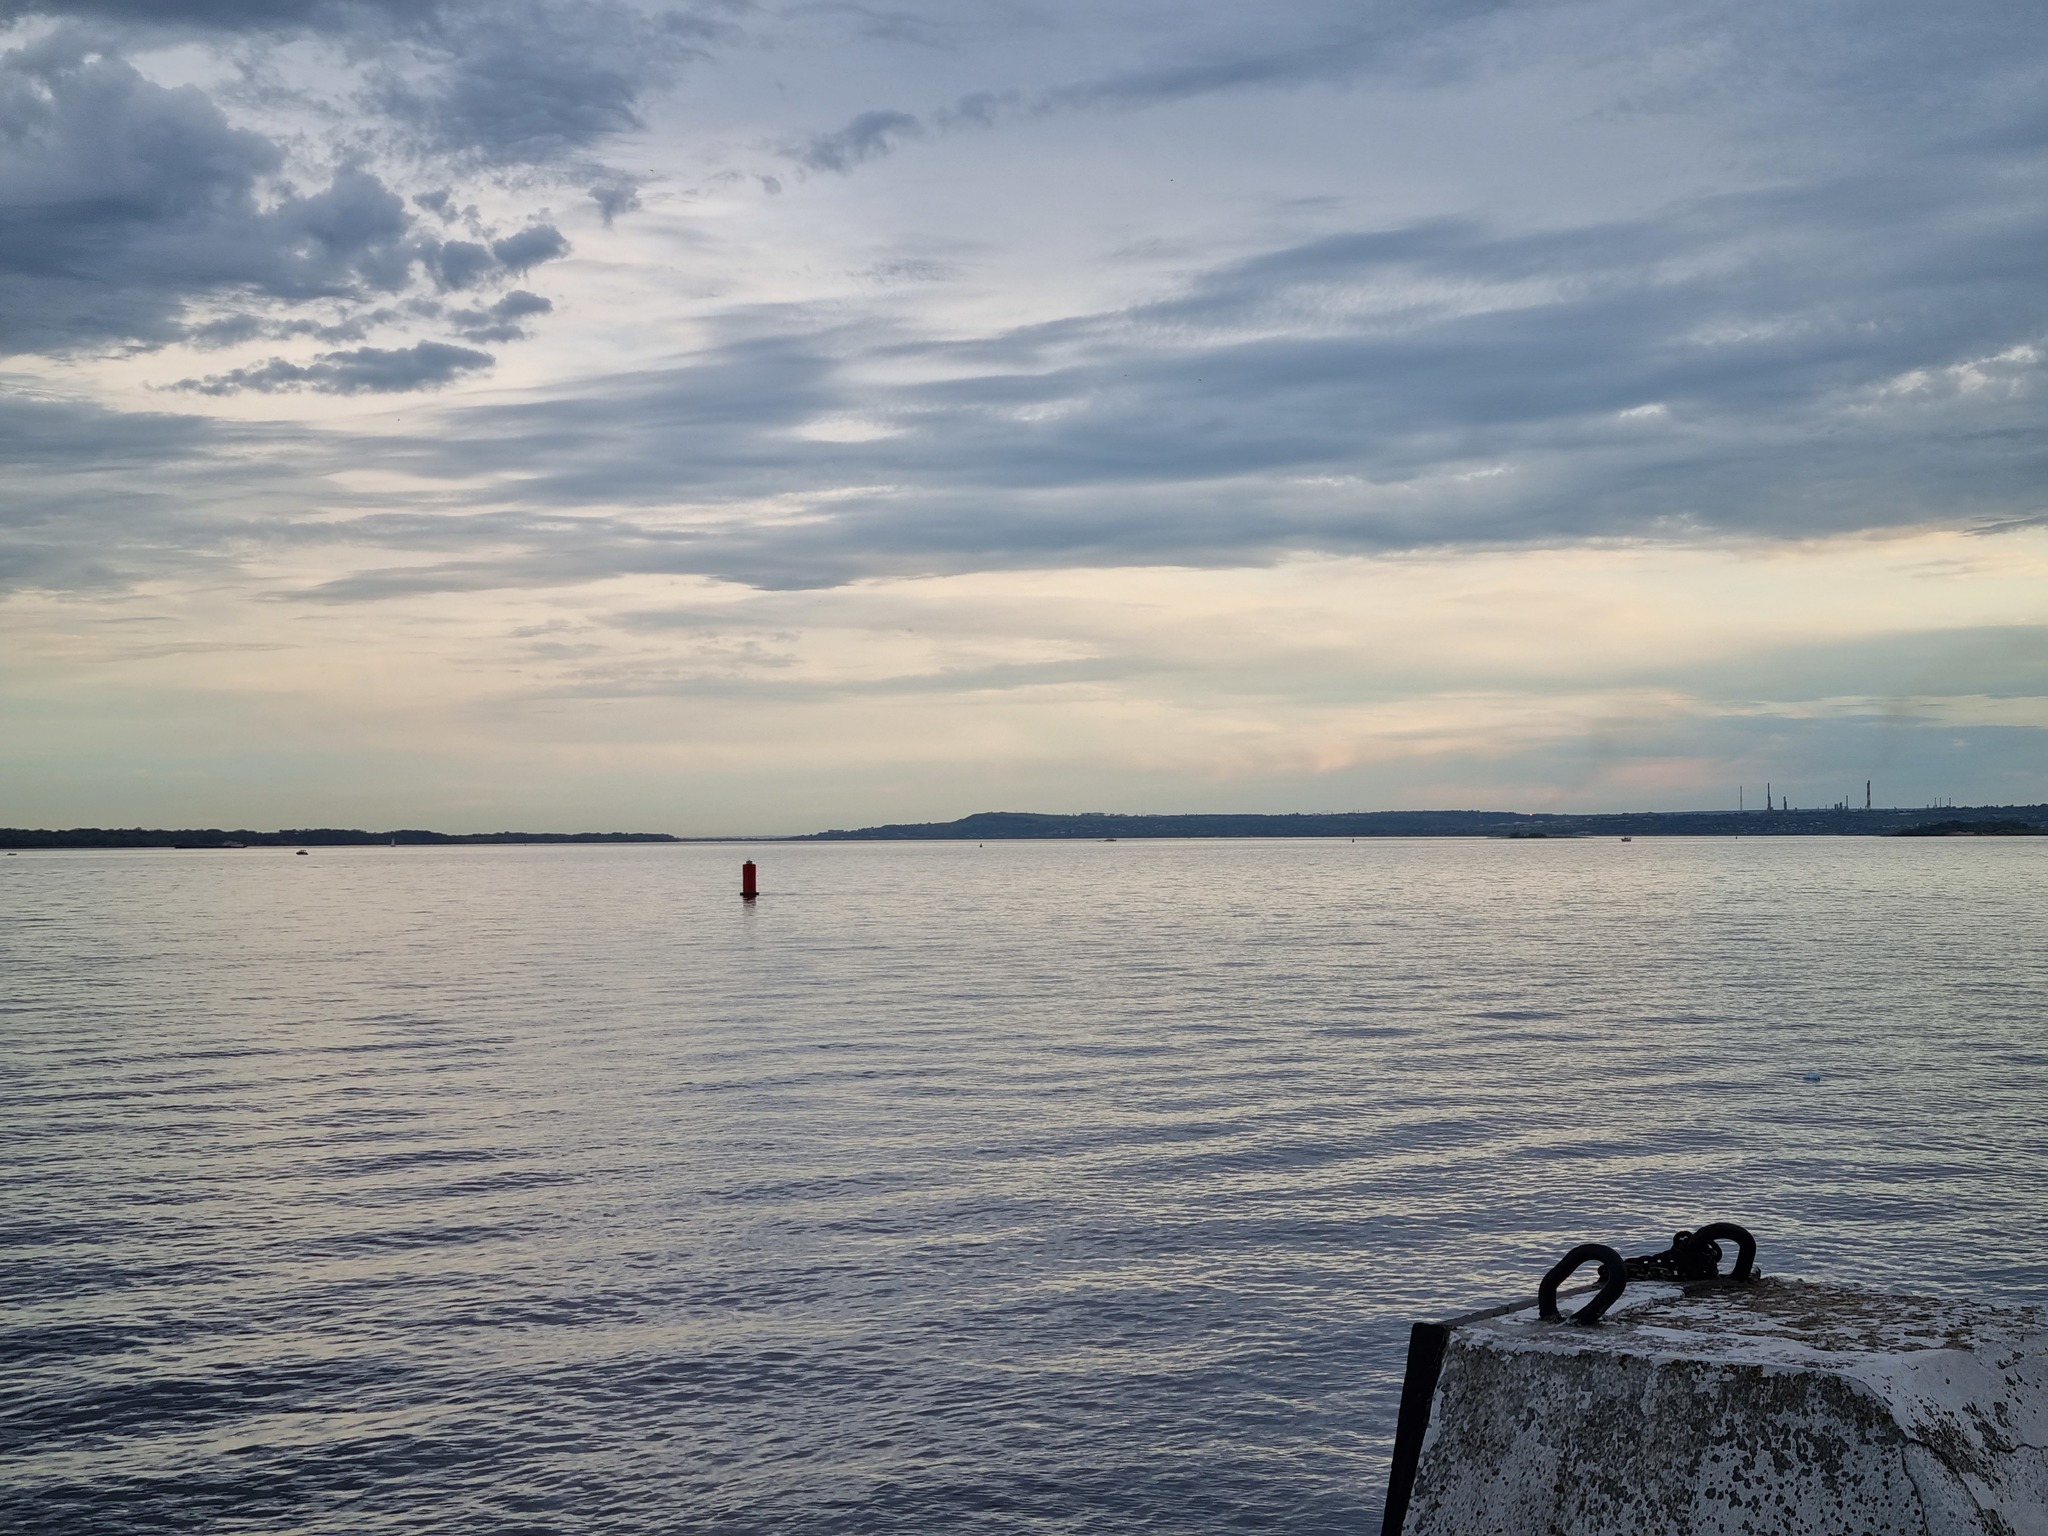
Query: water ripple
x,y
1032,1188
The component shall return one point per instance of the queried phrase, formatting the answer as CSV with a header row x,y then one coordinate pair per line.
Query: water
x,y
1027,1188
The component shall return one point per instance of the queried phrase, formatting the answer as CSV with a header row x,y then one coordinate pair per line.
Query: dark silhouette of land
x,y
1011,826
2007,828
991,826
303,837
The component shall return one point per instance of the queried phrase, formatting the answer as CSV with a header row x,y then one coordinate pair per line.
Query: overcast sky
x,y
755,417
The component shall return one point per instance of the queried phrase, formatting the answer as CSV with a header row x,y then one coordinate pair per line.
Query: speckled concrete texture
x,y
1778,1409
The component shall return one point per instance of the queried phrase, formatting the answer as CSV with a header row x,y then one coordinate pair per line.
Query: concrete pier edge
x,y
1770,1408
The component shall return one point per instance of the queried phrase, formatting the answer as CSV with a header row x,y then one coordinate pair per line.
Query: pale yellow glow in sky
x,y
1340,683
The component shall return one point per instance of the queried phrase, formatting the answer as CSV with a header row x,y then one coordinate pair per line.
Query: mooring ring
x,y
1613,1281
1745,1248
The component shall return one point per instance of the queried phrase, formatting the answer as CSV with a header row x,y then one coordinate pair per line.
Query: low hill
x,y
993,826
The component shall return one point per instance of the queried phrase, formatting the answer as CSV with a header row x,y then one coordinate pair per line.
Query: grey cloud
x,y
1897,62
1414,37
459,264
895,26
868,136
740,671
123,199
1865,349
59,434
440,202
1859,353
123,203
99,499
980,109
532,82
505,81
359,371
236,329
94,162
231,15
1381,38
615,197
501,321
227,331
529,248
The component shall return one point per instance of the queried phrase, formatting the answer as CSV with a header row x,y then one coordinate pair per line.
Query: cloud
x,y
227,15
98,500
1852,344
1208,57
1376,39
128,204
126,201
458,264
121,196
1860,352
237,14
867,137
461,263
43,434
532,82
522,252
615,197
360,371
501,321
503,81
1225,288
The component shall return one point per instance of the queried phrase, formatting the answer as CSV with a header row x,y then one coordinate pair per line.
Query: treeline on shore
x,y
994,826
301,837
2006,827
991,826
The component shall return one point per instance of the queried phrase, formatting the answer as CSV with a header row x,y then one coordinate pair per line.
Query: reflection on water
x,y
1033,1187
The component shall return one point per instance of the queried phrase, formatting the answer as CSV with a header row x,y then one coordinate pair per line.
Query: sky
x,y
725,417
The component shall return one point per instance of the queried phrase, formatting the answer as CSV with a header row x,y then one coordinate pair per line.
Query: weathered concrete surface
x,y
1778,1409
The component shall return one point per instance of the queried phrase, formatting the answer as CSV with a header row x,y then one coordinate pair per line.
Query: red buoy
x,y
747,890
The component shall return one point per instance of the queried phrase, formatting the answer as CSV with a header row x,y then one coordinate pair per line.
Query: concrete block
x,y
1773,1409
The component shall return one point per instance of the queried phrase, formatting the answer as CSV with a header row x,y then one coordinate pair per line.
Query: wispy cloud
x,y
867,137
358,371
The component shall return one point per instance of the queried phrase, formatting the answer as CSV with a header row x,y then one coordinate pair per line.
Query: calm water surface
x,y
1027,1188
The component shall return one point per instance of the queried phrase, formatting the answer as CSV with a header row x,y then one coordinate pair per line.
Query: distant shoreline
x,y
991,826
1022,826
18,838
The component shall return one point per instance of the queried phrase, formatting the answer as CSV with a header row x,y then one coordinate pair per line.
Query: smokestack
x,y
1866,794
